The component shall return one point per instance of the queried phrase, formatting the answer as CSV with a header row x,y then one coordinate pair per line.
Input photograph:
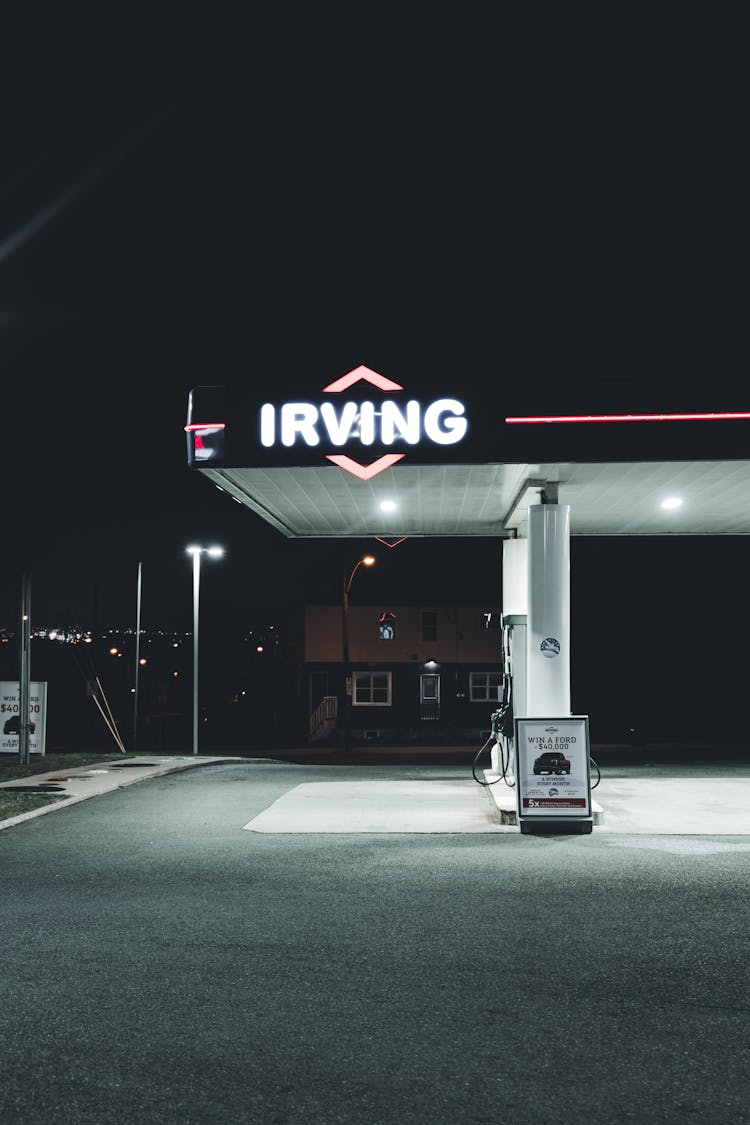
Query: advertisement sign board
x,y
552,767
9,717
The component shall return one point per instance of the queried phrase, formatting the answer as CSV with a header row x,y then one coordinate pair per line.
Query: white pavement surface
x,y
675,805
380,806
707,807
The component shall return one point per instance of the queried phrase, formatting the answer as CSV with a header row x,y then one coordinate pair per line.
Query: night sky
x,y
182,205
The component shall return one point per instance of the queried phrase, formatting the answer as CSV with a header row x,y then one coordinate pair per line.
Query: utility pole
x,y
137,658
348,685
368,560
24,670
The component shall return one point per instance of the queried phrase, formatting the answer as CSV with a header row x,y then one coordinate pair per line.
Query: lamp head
x,y
215,552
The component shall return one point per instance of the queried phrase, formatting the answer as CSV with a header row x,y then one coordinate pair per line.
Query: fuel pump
x,y
514,691
513,658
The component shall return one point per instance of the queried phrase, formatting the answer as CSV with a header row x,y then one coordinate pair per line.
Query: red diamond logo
x,y
366,374
364,472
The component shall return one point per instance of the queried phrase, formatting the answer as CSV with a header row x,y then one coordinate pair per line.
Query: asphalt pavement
x,y
248,941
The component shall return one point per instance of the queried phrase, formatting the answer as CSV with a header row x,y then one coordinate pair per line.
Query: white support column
x,y
548,611
515,603
515,581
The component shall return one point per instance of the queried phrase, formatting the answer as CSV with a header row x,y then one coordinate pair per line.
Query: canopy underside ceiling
x,y
617,498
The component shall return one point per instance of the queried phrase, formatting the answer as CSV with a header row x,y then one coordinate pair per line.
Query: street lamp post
x,y
24,671
137,656
367,560
196,552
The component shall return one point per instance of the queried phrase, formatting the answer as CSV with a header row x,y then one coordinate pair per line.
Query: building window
x,y
484,686
372,689
429,625
387,625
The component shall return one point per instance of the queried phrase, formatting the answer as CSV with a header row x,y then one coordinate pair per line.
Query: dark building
x,y
415,673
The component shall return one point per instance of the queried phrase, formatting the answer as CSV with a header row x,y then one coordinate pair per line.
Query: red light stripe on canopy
x,y
205,426
629,417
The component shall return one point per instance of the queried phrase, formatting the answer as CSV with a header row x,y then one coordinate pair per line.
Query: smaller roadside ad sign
x,y
10,719
553,777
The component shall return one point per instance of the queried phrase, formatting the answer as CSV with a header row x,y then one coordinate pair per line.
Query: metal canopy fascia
x,y
455,500
327,477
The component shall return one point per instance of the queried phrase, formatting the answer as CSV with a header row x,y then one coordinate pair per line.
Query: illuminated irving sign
x,y
350,424
441,422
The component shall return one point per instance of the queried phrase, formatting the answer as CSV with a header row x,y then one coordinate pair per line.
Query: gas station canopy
x,y
367,454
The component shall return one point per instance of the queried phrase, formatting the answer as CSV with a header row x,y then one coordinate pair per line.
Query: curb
x,y
75,799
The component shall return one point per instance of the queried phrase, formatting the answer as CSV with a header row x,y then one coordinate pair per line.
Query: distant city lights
x,y
118,641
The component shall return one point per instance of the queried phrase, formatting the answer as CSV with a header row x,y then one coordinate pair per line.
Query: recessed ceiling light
x,y
672,502
388,505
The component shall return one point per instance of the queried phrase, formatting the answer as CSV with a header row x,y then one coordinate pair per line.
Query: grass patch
x,y
14,804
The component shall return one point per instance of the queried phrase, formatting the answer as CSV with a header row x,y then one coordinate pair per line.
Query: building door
x,y
429,696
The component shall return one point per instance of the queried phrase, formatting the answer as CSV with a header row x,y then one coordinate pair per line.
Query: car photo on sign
x,y
553,762
13,725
